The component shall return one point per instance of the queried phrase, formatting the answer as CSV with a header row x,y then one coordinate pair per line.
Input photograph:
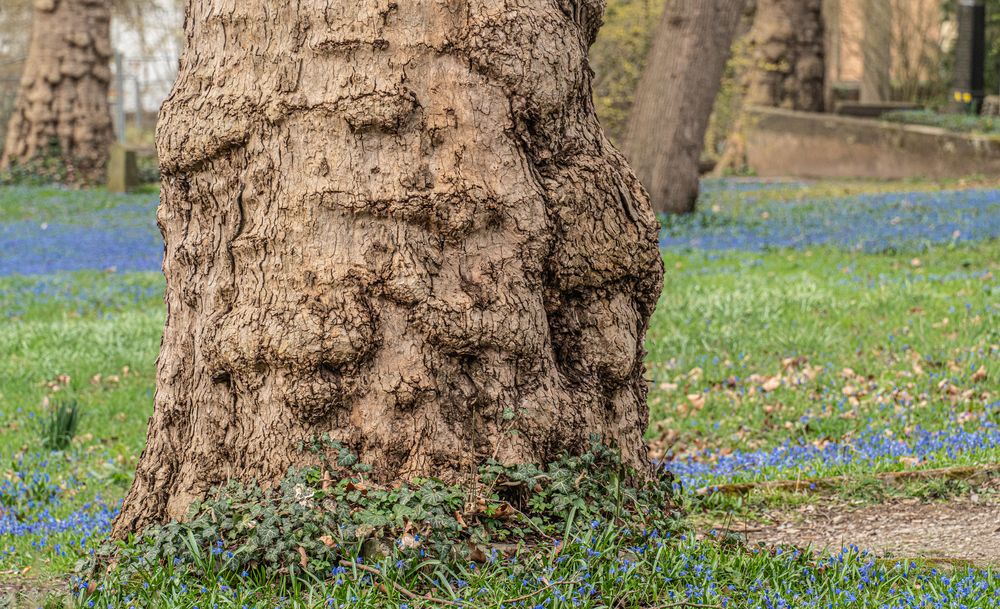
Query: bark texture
x,y
399,224
788,55
675,98
62,106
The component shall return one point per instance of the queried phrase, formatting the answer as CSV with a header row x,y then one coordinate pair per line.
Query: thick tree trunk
x,y
788,55
674,101
399,224
62,105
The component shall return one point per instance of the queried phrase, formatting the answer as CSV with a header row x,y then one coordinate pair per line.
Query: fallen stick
x,y
686,604
402,590
539,591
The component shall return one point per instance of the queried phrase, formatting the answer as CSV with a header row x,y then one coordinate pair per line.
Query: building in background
x,y
904,42
147,51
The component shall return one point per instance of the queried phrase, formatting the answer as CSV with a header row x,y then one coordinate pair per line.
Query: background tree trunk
x,y
399,224
876,79
675,97
788,55
62,105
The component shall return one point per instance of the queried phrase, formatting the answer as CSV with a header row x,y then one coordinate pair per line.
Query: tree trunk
x,y
399,224
675,97
788,55
61,113
876,79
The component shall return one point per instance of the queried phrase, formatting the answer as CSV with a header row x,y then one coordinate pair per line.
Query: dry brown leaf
x,y
697,400
476,554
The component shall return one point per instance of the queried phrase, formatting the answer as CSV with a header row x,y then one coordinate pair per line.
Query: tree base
x,y
320,516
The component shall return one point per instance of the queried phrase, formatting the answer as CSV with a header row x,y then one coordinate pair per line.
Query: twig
x,y
399,588
745,529
539,591
685,604
416,597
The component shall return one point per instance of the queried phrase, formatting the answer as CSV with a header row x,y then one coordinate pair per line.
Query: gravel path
x,y
965,529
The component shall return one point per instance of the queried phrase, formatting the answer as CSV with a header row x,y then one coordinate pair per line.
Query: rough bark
x,y
399,224
675,97
788,55
62,105
876,47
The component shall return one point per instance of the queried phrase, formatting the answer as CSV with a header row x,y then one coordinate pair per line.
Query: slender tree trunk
x,y
876,80
62,105
788,55
675,97
399,224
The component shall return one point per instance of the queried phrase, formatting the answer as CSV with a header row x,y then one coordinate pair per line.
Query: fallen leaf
x,y
771,384
356,486
476,554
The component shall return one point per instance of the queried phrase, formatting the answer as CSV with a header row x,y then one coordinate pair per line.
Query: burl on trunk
x,y
399,224
61,113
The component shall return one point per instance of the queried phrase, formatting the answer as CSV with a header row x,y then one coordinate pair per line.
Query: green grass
x,y
595,571
900,322
909,327
961,123
56,203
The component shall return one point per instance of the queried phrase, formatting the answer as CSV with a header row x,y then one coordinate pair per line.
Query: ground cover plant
x,y
962,123
806,332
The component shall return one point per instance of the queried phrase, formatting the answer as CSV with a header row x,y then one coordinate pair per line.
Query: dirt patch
x,y
18,590
965,529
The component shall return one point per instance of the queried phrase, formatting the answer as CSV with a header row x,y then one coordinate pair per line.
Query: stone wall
x,y
808,145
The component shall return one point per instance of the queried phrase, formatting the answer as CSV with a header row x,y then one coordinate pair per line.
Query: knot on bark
x,y
381,111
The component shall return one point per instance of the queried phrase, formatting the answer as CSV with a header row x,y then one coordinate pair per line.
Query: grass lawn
x,y
805,332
